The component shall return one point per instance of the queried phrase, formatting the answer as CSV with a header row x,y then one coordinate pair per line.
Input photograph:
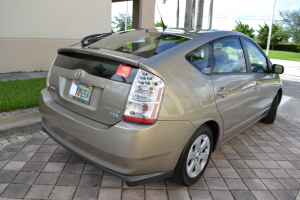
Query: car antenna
x,y
163,25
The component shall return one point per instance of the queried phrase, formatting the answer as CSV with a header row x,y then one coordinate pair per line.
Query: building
x,y
32,30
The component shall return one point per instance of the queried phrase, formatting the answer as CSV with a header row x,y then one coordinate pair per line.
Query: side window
x,y
258,61
199,58
229,56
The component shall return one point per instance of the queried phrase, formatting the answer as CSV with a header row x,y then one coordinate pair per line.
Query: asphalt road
x,y
291,81
291,88
290,78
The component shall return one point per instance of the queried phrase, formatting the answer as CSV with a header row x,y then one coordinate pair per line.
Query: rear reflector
x,y
139,120
144,99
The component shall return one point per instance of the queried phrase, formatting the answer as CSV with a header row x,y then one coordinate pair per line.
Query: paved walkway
x,y
263,162
22,75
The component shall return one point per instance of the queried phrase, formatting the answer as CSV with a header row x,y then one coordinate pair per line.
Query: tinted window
x,y
199,58
258,61
141,43
229,56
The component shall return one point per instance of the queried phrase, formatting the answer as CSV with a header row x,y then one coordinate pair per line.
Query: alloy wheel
x,y
198,155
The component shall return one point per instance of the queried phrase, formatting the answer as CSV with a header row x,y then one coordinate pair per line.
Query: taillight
x,y
144,98
48,75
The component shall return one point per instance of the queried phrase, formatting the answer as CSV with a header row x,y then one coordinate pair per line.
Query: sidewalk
x,y
286,62
22,75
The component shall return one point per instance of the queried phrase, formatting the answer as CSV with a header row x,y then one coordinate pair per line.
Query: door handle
x,y
222,92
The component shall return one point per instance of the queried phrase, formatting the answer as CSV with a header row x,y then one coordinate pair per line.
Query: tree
x,y
244,28
291,22
277,35
159,24
177,14
198,14
120,22
188,15
194,9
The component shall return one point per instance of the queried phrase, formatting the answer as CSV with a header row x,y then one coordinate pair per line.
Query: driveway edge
x,y
19,118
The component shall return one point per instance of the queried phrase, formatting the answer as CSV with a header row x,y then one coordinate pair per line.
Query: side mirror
x,y
278,69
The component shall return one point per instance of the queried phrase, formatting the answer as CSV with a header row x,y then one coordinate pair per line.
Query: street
x,y
290,77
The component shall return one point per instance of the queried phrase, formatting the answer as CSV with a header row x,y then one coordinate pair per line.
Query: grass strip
x,y
19,94
284,55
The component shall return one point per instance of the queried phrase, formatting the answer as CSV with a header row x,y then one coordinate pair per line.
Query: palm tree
x,y
199,5
177,15
198,14
188,15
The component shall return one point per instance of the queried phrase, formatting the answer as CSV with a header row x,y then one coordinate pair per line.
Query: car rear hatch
x,y
93,83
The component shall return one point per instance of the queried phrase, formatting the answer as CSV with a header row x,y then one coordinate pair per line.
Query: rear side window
x,y
199,58
141,43
258,61
229,56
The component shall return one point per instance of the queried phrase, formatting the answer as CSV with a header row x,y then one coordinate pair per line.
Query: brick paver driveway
x,y
263,162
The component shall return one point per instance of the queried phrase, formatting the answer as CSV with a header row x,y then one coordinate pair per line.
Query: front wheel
x,y
194,158
270,117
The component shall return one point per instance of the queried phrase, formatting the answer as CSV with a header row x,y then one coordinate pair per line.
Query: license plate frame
x,y
81,92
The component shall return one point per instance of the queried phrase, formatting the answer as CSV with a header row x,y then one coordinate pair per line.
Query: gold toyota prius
x,y
150,104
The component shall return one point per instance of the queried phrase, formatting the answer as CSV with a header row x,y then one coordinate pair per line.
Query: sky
x,y
225,12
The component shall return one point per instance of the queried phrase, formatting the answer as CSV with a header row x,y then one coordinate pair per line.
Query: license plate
x,y
81,92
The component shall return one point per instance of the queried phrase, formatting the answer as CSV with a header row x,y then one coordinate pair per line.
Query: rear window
x,y
94,65
141,43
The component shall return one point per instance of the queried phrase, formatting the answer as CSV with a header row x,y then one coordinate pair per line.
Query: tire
x,y
270,117
194,158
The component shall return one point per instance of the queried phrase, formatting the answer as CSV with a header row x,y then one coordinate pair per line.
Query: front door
x,y
264,80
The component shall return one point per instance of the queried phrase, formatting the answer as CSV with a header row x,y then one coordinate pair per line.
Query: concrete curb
x,y
19,118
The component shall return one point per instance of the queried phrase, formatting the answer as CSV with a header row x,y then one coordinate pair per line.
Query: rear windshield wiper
x,y
93,38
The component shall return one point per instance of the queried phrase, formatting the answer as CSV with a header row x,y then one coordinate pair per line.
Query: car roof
x,y
195,33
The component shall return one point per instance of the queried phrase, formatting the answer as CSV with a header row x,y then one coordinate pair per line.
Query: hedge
x,y
283,47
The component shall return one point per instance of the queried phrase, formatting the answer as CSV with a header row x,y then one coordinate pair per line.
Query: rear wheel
x,y
194,158
270,117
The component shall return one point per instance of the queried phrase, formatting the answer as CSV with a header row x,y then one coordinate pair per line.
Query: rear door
x,y
90,85
233,85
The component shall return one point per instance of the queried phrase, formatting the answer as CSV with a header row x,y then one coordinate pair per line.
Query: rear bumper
x,y
134,152
130,180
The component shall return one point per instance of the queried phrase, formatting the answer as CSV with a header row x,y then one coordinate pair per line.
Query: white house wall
x,y
32,30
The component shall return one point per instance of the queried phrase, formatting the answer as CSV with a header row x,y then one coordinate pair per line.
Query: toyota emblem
x,y
78,74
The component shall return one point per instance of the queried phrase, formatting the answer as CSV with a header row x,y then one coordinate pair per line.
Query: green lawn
x,y
284,55
19,94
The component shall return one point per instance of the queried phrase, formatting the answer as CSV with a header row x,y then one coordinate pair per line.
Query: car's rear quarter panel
x,y
189,94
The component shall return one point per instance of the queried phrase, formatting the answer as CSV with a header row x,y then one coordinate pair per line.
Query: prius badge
x,y
112,112
78,74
